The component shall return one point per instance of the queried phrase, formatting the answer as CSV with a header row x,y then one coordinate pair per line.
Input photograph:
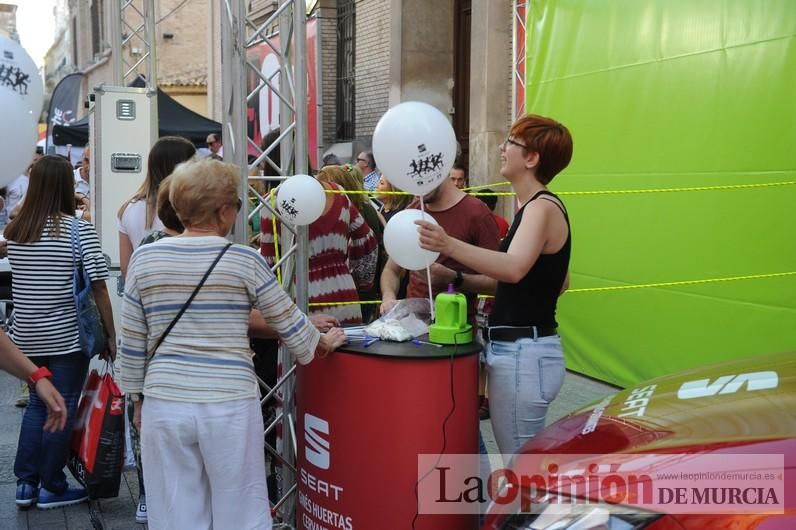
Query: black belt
x,y
512,333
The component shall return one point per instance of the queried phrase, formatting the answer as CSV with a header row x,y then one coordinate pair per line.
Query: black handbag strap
x,y
190,299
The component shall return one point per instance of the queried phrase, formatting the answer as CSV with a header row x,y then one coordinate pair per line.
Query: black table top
x,y
411,351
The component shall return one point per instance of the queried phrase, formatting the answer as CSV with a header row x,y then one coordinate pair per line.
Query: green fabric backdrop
x,y
662,94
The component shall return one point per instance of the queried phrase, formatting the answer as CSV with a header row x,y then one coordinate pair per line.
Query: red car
x,y
742,407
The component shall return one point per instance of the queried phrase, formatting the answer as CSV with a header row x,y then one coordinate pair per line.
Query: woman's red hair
x,y
548,138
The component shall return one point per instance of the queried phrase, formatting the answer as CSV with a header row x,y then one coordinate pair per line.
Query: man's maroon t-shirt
x,y
470,221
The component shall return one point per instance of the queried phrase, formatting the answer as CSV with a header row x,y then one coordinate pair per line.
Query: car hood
x,y
743,402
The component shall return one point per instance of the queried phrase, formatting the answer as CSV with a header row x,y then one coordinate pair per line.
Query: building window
x,y
96,27
346,46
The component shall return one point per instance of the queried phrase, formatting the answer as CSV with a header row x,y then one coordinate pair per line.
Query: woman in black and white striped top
x,y
45,321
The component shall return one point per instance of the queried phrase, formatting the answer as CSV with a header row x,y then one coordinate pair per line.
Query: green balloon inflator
x,y
450,325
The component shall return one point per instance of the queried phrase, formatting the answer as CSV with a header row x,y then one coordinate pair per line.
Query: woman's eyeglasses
x,y
508,141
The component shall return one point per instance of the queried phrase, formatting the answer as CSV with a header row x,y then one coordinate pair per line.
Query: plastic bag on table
x,y
408,319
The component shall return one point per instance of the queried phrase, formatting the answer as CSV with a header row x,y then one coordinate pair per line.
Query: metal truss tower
x,y
519,13
242,81
134,27
133,42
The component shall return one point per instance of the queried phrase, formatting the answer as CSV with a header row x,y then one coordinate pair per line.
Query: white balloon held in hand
x,y
402,241
415,146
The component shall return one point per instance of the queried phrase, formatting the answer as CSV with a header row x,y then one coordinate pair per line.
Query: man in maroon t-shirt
x,y
463,217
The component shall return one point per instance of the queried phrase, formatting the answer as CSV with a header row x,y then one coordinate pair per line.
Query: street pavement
x,y
111,514
119,513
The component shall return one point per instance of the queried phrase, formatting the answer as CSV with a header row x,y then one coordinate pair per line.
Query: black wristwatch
x,y
457,281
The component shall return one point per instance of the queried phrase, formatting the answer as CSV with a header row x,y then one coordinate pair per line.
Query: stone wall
x,y
372,65
182,60
327,25
490,89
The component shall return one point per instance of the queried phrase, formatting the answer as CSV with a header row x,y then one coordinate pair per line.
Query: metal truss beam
x,y
241,82
133,43
519,12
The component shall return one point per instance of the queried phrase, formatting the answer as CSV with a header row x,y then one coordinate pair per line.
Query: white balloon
x,y
19,138
415,146
20,78
300,200
402,241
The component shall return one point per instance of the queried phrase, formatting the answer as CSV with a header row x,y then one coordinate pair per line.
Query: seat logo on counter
x,y
316,442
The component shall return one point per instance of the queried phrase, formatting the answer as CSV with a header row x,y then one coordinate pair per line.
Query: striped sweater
x,y
206,356
45,320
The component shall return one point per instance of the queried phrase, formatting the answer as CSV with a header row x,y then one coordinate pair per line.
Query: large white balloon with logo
x,y
402,241
415,146
21,100
300,200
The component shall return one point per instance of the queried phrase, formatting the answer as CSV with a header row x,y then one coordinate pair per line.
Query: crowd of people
x,y
186,359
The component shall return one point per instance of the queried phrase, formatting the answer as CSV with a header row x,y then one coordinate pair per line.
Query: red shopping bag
x,y
97,450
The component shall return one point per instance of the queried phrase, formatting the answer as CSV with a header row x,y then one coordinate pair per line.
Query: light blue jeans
x,y
523,377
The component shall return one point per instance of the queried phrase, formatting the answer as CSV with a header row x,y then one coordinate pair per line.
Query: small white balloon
x,y
402,240
415,146
300,200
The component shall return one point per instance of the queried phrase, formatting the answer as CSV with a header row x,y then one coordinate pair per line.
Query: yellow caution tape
x,y
672,284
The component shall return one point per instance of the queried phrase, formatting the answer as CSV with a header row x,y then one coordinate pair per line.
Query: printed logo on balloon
x,y
21,100
426,166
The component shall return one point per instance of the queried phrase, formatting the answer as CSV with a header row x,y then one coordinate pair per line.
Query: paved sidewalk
x,y
110,514
119,513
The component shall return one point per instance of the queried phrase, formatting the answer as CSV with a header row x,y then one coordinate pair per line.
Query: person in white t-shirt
x,y
82,174
137,217
19,186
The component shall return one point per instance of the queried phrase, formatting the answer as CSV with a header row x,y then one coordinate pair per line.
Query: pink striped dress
x,y
343,257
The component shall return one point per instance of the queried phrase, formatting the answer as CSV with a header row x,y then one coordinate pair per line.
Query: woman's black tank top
x,y
532,300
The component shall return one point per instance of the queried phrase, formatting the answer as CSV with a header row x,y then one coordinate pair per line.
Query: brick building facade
x,y
412,50
84,36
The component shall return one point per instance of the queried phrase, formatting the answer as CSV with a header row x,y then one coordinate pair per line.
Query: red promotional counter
x,y
364,414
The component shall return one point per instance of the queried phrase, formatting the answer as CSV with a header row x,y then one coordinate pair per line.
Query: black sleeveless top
x,y
532,300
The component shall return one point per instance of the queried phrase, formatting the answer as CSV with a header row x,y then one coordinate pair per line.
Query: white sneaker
x,y
140,511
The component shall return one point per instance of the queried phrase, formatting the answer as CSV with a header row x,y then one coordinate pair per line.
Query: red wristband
x,y
38,374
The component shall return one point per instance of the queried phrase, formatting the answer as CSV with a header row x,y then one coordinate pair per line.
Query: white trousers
x,y
204,466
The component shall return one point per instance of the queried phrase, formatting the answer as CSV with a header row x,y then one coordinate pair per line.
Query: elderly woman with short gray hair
x,y
186,358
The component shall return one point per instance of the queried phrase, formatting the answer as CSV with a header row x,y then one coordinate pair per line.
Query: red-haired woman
x,y
525,362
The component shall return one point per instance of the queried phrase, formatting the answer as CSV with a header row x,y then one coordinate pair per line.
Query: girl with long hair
x,y
42,258
138,215
350,178
343,253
